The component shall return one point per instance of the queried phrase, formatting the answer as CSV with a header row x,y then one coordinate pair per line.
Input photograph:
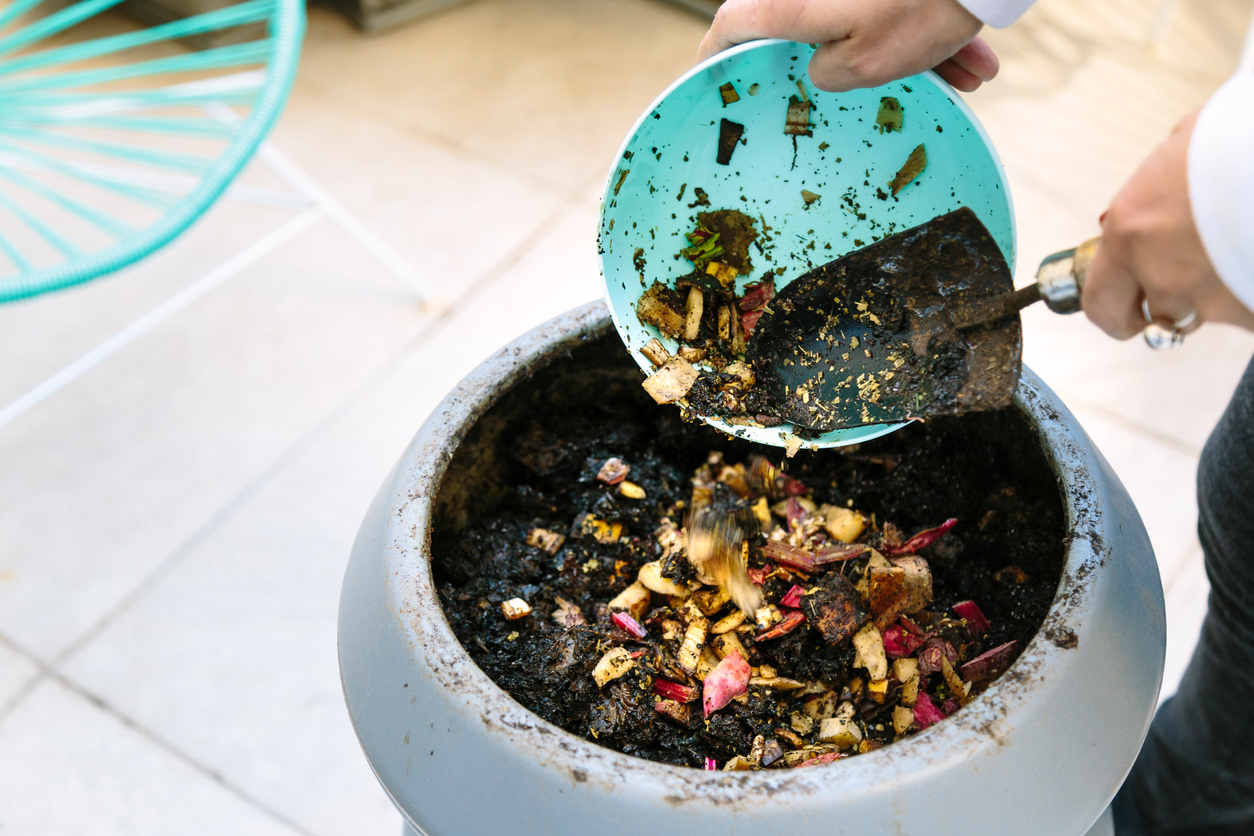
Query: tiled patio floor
x,y
174,521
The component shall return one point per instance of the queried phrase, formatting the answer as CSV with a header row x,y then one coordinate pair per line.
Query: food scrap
x,y
728,93
915,163
797,119
515,608
729,134
890,115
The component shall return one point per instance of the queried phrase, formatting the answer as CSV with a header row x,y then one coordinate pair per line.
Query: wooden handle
x,y
1084,258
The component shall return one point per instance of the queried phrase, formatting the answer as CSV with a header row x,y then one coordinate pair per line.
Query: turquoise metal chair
x,y
114,138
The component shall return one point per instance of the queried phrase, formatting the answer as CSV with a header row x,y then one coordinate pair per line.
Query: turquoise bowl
x,y
651,197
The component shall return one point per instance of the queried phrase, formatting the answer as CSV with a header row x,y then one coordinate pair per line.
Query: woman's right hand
x,y
1151,250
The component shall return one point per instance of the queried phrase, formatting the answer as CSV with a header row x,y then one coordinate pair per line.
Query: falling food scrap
x,y
729,94
913,168
792,444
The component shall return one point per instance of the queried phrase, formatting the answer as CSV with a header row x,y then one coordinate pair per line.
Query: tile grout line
x,y
41,668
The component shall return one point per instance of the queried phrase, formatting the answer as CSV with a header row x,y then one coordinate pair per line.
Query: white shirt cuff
x,y
997,13
1221,183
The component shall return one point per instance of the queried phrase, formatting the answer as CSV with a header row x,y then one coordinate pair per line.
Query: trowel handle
x,y
1061,276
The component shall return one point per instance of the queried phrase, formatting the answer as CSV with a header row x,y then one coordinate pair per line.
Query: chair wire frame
x,y
115,138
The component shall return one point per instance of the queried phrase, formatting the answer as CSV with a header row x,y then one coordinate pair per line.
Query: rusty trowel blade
x,y
867,338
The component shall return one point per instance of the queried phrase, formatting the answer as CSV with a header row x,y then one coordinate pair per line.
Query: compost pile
x,y
576,595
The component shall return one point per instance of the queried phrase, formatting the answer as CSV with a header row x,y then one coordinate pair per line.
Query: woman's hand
x,y
864,43
1150,250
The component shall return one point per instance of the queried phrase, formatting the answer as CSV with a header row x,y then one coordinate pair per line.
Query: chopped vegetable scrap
x,y
729,134
631,490
797,120
515,608
969,611
547,541
704,313
728,680
613,471
890,115
915,163
671,382
703,249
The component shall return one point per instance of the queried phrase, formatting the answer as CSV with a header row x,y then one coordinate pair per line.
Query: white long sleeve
x,y
1221,183
997,13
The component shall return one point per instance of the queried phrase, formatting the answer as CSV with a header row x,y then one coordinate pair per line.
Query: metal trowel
x,y
921,323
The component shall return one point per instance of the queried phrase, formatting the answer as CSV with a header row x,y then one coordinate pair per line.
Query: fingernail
x,y
1102,218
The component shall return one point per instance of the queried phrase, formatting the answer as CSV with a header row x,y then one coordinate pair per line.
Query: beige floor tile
x,y
16,673
1186,609
545,87
67,767
1160,480
104,480
1177,396
449,218
231,656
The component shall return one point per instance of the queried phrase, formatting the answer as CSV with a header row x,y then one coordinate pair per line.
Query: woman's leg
x,y
1195,774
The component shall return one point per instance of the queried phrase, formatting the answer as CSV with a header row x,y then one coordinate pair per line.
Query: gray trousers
x,y
1195,774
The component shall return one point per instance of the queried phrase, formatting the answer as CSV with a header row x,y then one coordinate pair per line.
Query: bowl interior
x,y
667,172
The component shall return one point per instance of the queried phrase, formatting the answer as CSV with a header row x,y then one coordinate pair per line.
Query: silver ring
x,y
1159,338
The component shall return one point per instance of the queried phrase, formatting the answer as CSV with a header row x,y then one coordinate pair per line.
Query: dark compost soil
x,y
532,460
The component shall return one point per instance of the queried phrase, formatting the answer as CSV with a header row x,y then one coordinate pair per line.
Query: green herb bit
x,y
705,247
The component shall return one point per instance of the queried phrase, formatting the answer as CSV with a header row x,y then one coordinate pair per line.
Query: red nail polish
x,y
1102,218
